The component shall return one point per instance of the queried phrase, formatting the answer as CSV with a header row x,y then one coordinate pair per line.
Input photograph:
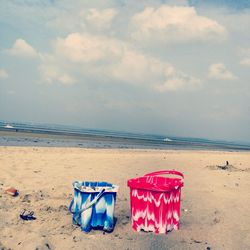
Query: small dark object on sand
x,y
197,241
47,245
27,215
12,191
223,167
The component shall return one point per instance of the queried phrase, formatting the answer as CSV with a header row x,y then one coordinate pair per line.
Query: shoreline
x,y
125,149
31,139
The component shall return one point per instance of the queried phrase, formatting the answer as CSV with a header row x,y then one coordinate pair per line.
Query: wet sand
x,y
215,203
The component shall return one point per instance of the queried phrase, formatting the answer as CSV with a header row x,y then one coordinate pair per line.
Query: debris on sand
x,y
226,167
27,215
2,247
26,198
12,191
196,241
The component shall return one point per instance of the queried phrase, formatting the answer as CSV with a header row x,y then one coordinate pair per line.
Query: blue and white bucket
x,y
93,205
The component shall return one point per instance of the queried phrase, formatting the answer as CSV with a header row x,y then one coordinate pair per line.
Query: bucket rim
x,y
82,187
148,183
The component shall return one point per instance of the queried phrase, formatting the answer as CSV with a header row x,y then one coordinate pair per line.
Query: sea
x,y
49,135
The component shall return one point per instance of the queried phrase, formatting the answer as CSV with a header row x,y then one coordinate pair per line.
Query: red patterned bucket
x,y
155,201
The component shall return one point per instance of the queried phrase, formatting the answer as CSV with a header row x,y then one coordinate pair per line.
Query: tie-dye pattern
x,y
155,202
101,213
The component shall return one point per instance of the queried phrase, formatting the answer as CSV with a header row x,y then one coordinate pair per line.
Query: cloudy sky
x,y
166,67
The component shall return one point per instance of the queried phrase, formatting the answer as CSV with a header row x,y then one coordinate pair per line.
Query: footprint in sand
x,y
217,219
27,198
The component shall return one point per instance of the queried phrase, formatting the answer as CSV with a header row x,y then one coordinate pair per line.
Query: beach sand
x,y
215,205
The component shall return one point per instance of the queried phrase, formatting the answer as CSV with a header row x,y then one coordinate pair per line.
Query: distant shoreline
x,y
21,138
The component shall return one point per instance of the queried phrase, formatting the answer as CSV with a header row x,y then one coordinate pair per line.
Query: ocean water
x,y
30,134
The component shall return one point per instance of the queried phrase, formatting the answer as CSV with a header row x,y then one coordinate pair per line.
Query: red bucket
x,y
155,201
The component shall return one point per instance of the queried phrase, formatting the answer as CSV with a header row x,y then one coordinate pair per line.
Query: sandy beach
x,y
215,203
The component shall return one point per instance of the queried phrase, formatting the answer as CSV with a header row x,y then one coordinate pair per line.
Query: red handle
x,y
165,172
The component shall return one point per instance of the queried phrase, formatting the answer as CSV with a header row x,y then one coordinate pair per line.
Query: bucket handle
x,y
87,206
165,172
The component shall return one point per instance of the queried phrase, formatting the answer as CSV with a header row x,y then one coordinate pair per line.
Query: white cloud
x,y
22,48
3,74
246,57
83,19
180,81
136,68
87,48
100,18
111,59
245,61
51,71
66,79
220,72
175,24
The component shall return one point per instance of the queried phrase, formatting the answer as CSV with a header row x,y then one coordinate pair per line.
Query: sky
x,y
177,67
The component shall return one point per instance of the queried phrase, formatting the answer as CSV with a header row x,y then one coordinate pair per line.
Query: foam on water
x,y
167,139
8,126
